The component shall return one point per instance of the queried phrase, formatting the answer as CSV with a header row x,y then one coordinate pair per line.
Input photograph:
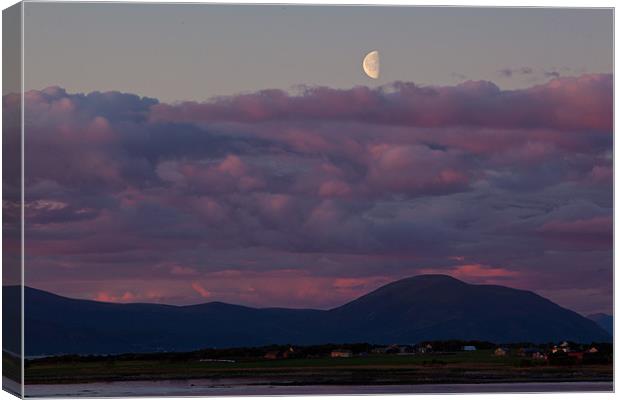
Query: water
x,y
240,387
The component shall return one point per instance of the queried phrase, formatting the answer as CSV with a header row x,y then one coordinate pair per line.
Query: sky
x,y
194,52
183,154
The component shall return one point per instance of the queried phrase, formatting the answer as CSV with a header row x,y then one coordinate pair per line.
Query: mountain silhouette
x,y
605,321
424,307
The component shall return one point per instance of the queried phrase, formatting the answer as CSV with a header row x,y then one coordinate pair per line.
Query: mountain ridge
x,y
423,307
603,320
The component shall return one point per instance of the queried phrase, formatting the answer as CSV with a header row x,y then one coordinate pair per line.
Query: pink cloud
x,y
602,173
325,214
201,290
334,188
229,174
275,206
580,227
414,169
290,287
575,103
269,288
479,273
208,208
233,165
107,297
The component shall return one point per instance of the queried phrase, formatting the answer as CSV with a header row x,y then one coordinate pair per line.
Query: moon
x,y
371,64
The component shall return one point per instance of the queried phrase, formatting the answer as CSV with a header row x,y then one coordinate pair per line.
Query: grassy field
x,y
460,367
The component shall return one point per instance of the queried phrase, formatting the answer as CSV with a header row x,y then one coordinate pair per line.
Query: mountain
x,y
420,308
605,321
442,307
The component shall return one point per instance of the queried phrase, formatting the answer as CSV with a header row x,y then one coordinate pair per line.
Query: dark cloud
x,y
510,72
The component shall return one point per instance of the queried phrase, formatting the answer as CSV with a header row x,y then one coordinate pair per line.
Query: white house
x,y
500,351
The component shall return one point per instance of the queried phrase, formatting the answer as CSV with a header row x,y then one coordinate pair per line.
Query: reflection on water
x,y
238,387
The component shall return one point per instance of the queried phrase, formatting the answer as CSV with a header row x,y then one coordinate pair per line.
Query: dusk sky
x,y
191,153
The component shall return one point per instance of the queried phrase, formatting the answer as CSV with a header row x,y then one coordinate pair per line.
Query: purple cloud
x,y
131,199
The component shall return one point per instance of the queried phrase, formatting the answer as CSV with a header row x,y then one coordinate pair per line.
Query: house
x,y
392,349
405,349
527,351
278,355
539,355
424,348
379,350
469,348
560,349
577,355
273,355
593,350
341,353
501,352
565,347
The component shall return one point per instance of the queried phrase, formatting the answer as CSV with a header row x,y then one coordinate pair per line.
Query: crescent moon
x,y
371,64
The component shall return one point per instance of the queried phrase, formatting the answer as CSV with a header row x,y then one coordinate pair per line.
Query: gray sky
x,y
194,52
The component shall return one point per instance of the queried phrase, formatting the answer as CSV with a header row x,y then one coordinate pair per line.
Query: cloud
x,y
126,297
590,226
327,192
226,175
294,288
509,72
553,105
475,273
201,290
602,173
586,233
182,271
411,169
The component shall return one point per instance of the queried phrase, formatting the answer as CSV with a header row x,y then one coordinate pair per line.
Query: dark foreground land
x,y
480,366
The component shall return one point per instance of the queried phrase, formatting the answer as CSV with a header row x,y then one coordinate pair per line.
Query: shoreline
x,y
288,382
211,388
308,374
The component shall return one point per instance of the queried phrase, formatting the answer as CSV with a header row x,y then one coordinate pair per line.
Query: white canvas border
x,y
477,3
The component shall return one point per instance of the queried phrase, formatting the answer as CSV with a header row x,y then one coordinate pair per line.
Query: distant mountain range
x,y
424,307
605,321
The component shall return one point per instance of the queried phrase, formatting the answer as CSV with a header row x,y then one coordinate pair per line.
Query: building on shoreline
x,y
341,353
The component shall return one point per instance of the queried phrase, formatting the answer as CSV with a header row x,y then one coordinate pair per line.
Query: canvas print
x,y
208,200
